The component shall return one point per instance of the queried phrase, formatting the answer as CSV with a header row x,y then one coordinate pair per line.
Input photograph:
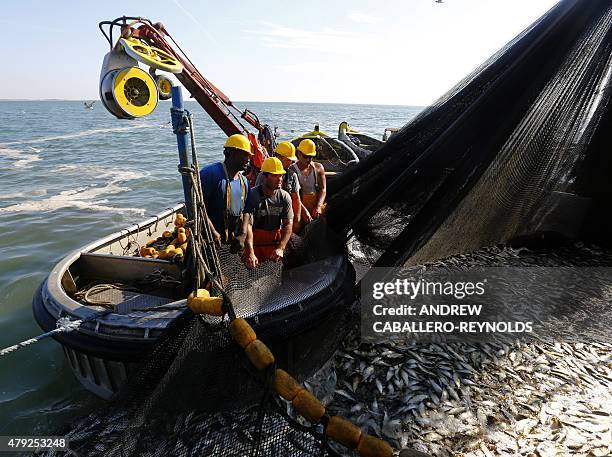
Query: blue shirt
x,y
214,187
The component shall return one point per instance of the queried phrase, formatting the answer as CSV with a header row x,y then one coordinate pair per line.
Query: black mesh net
x,y
517,149
198,387
511,151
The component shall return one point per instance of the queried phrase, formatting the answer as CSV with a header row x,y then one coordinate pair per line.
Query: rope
x,y
266,136
263,406
206,84
64,325
201,235
83,295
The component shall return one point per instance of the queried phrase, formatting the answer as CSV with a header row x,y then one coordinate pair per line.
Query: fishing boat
x,y
120,299
333,153
126,301
337,154
360,143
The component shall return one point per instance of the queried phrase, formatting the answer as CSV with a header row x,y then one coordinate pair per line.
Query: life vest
x,y
264,241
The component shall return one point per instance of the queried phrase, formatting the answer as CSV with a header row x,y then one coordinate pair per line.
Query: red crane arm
x,y
214,101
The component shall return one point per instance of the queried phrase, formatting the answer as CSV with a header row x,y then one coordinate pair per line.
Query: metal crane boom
x,y
218,105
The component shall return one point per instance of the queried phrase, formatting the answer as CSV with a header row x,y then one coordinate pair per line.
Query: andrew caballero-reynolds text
x,y
415,317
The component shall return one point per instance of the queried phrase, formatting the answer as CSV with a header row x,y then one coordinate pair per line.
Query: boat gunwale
x,y
57,303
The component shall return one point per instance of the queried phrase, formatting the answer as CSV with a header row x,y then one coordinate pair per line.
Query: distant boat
x,y
89,105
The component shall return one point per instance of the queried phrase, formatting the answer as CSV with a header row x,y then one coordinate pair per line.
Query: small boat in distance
x,y
89,105
336,154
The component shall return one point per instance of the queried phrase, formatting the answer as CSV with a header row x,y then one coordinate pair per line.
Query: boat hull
x,y
103,351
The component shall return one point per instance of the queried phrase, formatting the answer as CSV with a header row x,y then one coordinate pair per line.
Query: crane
x,y
127,91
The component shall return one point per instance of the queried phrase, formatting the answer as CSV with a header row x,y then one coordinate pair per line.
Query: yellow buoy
x,y
242,332
343,431
309,406
259,354
203,303
285,385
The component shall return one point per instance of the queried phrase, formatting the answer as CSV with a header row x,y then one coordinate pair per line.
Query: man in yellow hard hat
x,y
311,176
226,190
269,229
285,152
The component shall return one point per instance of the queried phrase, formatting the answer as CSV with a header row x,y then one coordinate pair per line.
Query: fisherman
x,y
269,228
311,176
285,152
226,191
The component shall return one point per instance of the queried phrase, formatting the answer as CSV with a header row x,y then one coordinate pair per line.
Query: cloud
x,y
362,18
327,40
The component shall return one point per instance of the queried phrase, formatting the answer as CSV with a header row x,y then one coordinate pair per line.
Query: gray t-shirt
x,y
268,212
291,182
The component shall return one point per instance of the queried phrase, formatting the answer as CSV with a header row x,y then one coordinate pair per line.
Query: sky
x,y
402,52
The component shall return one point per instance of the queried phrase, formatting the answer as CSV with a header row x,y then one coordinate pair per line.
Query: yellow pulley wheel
x,y
135,91
129,92
151,56
164,87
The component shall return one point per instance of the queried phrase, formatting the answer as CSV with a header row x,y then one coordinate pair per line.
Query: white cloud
x,y
326,40
362,18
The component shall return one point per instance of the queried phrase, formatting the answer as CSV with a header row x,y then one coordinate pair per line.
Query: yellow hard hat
x,y
308,148
286,149
238,141
272,165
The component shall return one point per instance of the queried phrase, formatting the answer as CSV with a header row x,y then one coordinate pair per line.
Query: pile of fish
x,y
536,399
545,397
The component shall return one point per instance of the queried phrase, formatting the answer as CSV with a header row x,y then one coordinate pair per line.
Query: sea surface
x,y
69,176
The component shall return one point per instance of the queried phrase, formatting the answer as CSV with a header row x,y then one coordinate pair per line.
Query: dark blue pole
x,y
179,124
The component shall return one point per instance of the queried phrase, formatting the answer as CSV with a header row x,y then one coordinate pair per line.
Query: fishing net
x,y
516,149
197,385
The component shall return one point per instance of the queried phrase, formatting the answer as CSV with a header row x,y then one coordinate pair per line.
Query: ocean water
x,y
69,176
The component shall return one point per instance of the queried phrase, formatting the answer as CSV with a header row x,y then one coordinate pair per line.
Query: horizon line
x,y
195,101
